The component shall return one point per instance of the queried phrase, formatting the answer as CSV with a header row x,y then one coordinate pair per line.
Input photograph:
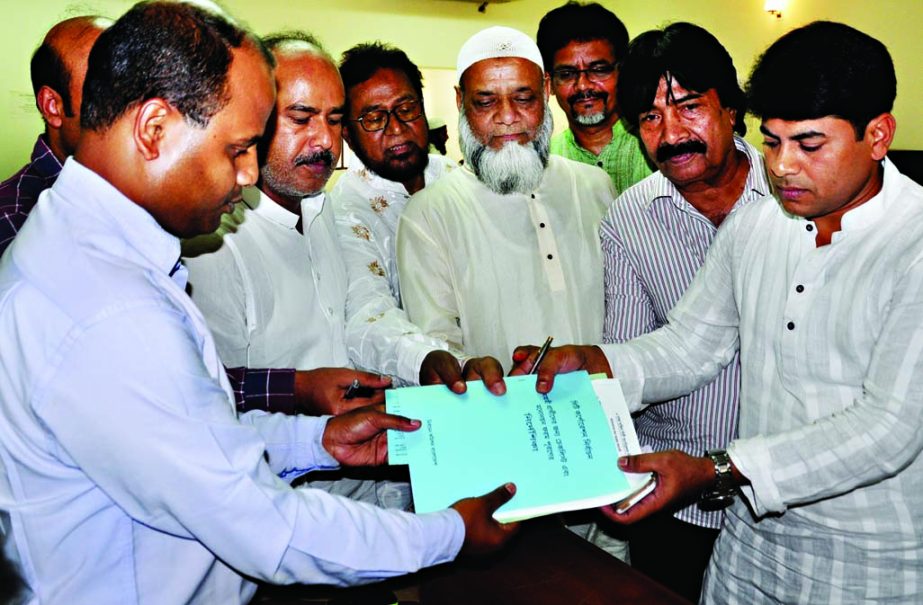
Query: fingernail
x,y
623,462
416,423
510,487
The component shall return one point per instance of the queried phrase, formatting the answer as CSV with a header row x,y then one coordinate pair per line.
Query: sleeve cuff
x,y
444,535
751,457
322,457
629,373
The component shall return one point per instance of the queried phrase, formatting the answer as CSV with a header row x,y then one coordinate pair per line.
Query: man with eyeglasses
x,y
387,130
582,45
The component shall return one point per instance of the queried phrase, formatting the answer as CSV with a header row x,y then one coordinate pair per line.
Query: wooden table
x,y
544,565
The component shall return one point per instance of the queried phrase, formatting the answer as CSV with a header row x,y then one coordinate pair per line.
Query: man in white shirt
x,y
271,281
126,475
506,247
821,291
387,130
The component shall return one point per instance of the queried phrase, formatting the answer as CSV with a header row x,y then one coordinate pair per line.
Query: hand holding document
x,y
560,449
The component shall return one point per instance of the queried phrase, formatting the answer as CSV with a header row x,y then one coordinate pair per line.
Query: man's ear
x,y
879,133
51,106
546,83
151,119
458,98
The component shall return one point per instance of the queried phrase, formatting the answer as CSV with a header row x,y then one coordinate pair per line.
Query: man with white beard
x,y
506,249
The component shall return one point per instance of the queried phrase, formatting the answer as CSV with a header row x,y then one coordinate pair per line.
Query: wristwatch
x,y
723,492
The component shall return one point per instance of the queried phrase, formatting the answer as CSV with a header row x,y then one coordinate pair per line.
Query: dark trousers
x,y
672,552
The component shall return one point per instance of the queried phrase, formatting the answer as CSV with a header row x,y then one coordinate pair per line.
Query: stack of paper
x,y
560,449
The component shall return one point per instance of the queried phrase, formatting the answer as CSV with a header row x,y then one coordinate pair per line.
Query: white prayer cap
x,y
494,43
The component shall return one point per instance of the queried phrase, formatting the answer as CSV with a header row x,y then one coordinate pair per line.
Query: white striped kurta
x,y
831,403
654,242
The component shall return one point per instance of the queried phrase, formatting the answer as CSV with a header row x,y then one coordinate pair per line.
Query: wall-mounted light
x,y
774,7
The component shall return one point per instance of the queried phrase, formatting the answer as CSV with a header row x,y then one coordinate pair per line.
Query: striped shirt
x,y
831,348
653,242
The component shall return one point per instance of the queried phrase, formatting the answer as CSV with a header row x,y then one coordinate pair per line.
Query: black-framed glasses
x,y
373,121
596,73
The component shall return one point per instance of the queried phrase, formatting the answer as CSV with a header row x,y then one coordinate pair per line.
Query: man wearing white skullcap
x,y
505,251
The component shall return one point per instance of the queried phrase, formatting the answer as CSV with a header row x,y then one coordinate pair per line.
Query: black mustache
x,y
586,95
665,151
325,156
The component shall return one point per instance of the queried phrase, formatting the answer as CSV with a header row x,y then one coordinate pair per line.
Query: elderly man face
x,y
504,122
688,134
307,135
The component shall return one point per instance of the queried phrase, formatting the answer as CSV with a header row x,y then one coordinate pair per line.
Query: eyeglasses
x,y
376,120
597,73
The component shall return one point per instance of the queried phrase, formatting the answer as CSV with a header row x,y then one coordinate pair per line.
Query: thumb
x,y
632,464
499,496
382,421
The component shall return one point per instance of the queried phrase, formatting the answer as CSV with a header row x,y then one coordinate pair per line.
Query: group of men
x,y
167,415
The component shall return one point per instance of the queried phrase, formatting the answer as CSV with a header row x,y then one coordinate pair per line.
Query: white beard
x,y
591,119
515,167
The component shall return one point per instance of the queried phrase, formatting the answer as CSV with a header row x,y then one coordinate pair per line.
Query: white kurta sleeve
x,y
427,287
379,334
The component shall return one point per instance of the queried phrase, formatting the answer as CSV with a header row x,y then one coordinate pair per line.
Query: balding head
x,y
58,69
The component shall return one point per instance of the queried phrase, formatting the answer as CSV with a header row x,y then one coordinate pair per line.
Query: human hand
x,y
559,360
681,478
483,533
441,367
358,438
323,390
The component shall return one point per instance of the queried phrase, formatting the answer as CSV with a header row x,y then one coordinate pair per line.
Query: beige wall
x,y
431,32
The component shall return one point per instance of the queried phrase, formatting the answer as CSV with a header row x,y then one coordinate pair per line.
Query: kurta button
x,y
533,196
790,325
810,227
799,288
542,225
550,256
600,164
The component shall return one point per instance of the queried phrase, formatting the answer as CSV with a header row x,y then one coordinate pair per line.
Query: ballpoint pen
x,y
541,355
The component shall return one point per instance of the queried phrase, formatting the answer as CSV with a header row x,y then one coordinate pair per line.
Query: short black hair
x,y
576,22
684,53
360,63
173,50
823,69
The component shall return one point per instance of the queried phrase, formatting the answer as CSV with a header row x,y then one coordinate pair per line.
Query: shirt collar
x,y
44,161
139,236
870,212
266,207
434,170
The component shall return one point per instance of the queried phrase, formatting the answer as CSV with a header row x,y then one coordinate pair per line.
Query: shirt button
x,y
542,225
790,325
533,196
799,288
550,256
600,164
810,227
